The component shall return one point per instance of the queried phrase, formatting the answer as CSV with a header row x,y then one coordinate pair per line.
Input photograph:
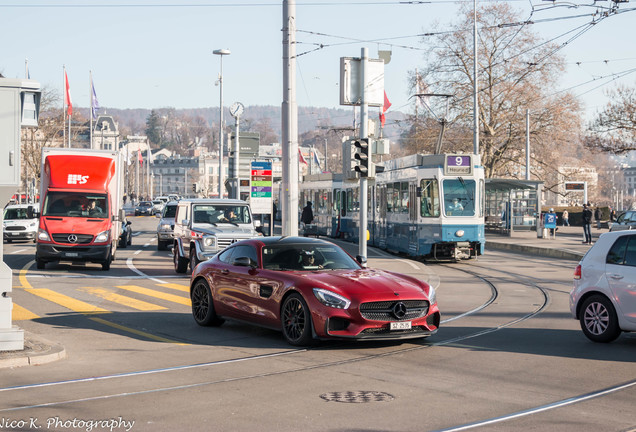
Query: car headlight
x,y
331,299
43,235
102,237
209,242
165,227
432,296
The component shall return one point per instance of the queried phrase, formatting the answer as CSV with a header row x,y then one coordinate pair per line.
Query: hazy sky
x,y
158,53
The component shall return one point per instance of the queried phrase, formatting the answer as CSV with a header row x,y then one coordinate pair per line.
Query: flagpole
x,y
90,73
64,105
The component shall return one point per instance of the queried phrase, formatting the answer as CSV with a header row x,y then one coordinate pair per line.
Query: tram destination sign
x,y
456,164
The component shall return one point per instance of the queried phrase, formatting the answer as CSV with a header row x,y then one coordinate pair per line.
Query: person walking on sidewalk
x,y
587,223
565,217
597,216
551,223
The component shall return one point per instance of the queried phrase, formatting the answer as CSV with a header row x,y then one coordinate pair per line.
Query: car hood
x,y
225,229
363,282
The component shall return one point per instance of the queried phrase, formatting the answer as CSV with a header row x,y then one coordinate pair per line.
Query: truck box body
x,y
81,206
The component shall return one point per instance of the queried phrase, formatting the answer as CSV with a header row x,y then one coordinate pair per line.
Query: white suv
x,y
165,228
603,297
203,227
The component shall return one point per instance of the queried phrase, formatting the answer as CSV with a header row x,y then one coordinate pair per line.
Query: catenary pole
x,y
289,111
364,132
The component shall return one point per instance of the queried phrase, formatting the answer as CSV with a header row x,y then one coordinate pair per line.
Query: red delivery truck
x,y
81,206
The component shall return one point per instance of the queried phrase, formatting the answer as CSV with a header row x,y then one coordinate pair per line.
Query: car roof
x,y
289,240
22,205
213,201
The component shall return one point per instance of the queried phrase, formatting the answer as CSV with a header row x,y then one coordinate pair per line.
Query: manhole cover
x,y
357,397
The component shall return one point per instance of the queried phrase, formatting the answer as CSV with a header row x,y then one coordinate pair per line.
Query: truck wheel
x,y
180,264
40,264
123,243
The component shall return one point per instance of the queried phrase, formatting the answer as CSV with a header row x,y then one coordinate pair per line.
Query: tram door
x,y
381,200
413,206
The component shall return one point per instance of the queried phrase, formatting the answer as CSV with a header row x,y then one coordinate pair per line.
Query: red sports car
x,y
310,289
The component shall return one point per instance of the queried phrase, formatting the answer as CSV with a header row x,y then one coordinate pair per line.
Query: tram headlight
x,y
459,233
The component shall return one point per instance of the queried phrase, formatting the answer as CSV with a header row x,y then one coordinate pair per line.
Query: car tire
x,y
123,243
203,306
129,242
180,264
40,264
296,321
161,245
194,261
598,319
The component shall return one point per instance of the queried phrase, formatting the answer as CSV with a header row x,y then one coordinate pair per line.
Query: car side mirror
x,y
361,260
185,222
128,223
244,262
158,214
257,223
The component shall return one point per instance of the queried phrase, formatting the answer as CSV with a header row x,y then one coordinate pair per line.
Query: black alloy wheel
x,y
296,321
202,306
598,319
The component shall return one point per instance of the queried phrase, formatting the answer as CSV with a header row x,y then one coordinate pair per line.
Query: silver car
x,y
625,221
604,295
166,226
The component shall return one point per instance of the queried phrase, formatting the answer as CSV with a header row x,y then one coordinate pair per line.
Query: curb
x,y
535,250
37,351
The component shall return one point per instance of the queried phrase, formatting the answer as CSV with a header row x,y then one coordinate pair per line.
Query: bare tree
x,y
614,129
516,73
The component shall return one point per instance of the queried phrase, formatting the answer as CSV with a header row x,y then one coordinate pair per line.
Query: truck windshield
x,y
74,204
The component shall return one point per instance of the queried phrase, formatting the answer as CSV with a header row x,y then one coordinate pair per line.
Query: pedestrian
x,y
587,222
613,215
597,216
275,210
550,222
566,217
307,216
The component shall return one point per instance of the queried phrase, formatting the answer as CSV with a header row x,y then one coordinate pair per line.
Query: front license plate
x,y
403,325
71,254
15,233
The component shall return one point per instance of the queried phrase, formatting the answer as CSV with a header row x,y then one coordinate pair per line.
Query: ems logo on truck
x,y
77,179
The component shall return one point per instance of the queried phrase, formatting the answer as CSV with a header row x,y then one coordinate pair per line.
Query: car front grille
x,y
81,238
222,243
15,228
390,310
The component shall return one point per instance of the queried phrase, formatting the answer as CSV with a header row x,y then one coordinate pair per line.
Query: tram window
x,y
404,197
395,198
459,197
430,198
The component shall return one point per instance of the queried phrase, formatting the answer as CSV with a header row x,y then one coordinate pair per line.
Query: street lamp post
x,y
221,53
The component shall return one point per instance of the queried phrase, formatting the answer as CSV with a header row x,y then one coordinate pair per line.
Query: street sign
x,y
261,187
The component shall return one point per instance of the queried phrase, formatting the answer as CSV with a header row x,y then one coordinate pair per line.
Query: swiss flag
x,y
301,158
139,158
67,94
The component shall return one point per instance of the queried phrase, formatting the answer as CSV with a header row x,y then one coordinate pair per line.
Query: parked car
x,y
125,238
165,229
143,208
203,227
20,222
310,289
603,298
625,221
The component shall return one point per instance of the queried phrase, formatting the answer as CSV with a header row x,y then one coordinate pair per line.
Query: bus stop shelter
x,y
512,204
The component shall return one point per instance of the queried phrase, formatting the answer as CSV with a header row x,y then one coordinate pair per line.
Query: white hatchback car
x,y
604,295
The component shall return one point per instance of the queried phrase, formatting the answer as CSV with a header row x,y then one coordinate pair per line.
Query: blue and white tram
x,y
429,206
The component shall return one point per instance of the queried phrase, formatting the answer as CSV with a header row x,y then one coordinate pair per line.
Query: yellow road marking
x,y
22,314
137,332
179,287
158,294
123,300
66,301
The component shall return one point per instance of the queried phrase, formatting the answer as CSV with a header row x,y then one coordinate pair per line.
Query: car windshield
x,y
145,204
307,257
73,204
214,214
16,214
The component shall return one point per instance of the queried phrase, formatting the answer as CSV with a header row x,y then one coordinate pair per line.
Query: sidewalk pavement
x,y
568,245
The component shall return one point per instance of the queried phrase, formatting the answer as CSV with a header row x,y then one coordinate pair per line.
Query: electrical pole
x,y
364,126
289,132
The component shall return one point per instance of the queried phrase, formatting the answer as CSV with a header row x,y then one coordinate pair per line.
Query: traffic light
x,y
365,166
195,187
